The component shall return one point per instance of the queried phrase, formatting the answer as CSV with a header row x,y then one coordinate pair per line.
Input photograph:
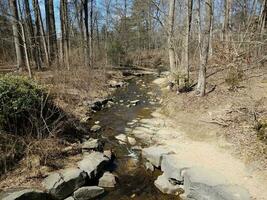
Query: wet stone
x,y
62,184
163,184
25,194
202,184
155,154
92,144
149,166
107,180
88,192
95,128
93,163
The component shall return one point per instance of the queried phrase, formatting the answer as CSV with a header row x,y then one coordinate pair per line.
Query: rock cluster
x,y
186,177
73,183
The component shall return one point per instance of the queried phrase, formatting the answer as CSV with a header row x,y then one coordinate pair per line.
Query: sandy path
x,y
209,152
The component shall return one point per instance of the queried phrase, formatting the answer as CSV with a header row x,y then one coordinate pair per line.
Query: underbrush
x,y
27,114
26,108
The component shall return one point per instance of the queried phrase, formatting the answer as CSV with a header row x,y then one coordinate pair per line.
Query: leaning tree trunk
x,y
170,39
204,46
16,33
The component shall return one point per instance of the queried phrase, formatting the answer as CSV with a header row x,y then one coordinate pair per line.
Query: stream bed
x,y
134,181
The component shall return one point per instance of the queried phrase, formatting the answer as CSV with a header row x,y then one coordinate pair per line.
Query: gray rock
x,y
25,194
122,138
155,154
131,140
92,144
166,187
232,192
107,180
135,102
137,148
204,184
62,184
174,168
149,166
93,163
95,128
89,192
70,198
116,84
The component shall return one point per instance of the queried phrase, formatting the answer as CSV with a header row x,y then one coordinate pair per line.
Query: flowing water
x,y
134,182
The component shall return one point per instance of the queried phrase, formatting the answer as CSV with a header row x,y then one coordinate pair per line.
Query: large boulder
x,y
232,192
174,168
93,144
155,154
93,163
89,192
63,183
107,180
25,194
205,184
166,187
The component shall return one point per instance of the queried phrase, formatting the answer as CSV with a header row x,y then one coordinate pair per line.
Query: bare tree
x,y
40,30
170,38
227,21
204,45
34,48
91,39
16,32
51,29
184,69
64,33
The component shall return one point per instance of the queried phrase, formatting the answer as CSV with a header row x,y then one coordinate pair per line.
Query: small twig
x,y
215,122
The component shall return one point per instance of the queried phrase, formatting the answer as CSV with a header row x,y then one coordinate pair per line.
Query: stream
x,y
134,181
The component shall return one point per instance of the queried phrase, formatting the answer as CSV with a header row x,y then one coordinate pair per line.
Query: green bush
x,y
25,107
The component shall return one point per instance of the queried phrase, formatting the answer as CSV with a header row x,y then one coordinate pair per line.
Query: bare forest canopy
x,y
40,34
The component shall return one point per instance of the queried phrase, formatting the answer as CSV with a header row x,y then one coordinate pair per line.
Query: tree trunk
x,y
40,30
107,5
227,22
184,71
86,32
91,39
263,17
51,29
25,50
34,47
204,46
64,33
16,33
170,39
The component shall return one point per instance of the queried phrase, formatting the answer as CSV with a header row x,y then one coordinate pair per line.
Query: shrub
x,y
25,109
261,128
234,78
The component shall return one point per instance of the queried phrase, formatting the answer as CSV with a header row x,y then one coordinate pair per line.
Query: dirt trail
x,y
196,141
